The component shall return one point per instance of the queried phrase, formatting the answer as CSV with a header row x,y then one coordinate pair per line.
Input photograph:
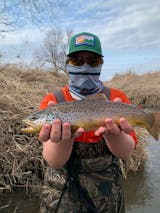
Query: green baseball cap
x,y
85,42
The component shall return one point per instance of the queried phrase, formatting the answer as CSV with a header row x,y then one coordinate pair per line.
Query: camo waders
x,y
91,182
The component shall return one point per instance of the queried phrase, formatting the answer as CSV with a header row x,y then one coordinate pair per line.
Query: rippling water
x,y
142,191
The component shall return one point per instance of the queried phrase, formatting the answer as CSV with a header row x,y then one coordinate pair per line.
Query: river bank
x,y
143,90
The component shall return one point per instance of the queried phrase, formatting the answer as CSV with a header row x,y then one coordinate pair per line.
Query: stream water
x,y
142,191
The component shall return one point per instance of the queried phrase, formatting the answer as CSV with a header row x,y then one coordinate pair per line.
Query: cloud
x,y
19,37
120,24
19,46
129,30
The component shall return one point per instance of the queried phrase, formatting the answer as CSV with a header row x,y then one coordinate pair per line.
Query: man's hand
x,y
57,142
120,143
58,131
111,128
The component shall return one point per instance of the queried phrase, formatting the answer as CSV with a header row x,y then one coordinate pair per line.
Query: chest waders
x,y
90,182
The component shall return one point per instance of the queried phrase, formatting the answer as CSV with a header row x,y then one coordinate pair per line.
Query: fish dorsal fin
x,y
99,97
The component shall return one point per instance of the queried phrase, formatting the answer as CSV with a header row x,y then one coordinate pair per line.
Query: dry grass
x,y
143,90
21,162
139,156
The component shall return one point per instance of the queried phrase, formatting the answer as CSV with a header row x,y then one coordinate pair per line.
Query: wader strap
x,y
107,92
59,96
63,191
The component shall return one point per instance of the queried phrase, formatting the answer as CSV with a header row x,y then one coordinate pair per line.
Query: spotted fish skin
x,y
90,114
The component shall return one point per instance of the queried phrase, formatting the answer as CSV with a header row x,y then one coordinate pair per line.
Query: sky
x,y
129,32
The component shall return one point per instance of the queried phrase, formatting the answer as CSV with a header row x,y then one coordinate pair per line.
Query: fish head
x,y
34,122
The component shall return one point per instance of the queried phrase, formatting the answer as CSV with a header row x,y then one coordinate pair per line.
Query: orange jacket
x,y
88,137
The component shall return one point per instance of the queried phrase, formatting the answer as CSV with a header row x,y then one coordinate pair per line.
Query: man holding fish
x,y
81,142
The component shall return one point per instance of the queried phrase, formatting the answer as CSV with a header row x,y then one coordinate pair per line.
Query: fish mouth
x,y
30,127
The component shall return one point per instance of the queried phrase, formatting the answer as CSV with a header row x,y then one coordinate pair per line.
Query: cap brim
x,y
84,51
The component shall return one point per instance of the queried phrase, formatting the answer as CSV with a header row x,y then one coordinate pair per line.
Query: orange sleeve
x,y
116,93
133,134
44,103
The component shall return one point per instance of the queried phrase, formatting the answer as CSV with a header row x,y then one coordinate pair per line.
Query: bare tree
x,y
53,51
15,13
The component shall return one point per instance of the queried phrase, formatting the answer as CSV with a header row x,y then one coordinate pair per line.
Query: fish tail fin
x,y
155,128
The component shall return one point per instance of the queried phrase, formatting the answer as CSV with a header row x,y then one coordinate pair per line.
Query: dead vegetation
x,y
143,90
139,156
21,162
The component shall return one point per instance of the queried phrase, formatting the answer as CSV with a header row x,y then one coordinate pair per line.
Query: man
x,y
84,173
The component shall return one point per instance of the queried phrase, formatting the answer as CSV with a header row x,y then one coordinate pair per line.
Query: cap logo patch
x,y
84,40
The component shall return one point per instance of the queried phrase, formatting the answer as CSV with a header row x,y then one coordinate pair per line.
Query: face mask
x,y
84,80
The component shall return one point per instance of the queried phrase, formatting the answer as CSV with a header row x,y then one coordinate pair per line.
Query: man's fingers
x,y
100,131
58,132
112,127
44,134
56,129
66,131
78,133
125,125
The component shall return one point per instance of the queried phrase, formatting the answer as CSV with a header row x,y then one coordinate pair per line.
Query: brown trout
x,y
90,114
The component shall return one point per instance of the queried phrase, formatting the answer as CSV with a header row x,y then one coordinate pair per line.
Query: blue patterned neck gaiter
x,y
84,80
